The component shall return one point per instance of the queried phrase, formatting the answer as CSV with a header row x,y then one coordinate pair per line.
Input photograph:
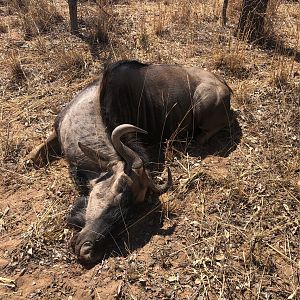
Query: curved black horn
x,y
125,152
161,188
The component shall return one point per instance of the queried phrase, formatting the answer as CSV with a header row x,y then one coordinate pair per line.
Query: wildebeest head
x,y
125,182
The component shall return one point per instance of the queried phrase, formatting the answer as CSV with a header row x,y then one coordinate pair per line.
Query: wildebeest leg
x,y
45,152
216,105
206,135
209,130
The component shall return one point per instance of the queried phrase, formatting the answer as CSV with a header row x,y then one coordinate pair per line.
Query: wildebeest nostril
x,y
86,251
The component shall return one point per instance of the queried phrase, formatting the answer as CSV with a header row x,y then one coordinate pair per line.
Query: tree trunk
x,y
73,16
252,19
224,12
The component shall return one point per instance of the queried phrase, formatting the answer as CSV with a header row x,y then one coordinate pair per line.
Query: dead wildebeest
x,y
93,133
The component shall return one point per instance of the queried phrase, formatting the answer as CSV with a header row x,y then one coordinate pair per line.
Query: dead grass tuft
x,y
39,17
161,22
99,33
40,45
16,70
143,39
283,70
3,27
232,62
72,63
99,23
46,232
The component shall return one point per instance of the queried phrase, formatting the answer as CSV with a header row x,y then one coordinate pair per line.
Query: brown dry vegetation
x,y
230,229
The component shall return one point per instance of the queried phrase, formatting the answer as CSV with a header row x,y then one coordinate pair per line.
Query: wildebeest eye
x,y
102,177
122,184
117,199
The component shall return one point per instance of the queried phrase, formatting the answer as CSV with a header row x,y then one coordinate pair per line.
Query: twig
x,y
294,263
15,173
7,282
187,247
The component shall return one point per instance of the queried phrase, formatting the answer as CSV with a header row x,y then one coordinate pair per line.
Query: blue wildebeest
x,y
93,133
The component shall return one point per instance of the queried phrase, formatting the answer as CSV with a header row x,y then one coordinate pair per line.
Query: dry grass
x,y
161,21
3,27
71,62
232,63
37,16
283,71
16,70
230,227
46,231
98,21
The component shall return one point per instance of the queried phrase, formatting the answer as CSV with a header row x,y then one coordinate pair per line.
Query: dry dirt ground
x,y
230,228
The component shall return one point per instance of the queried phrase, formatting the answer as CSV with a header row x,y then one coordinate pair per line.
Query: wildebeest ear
x,y
94,155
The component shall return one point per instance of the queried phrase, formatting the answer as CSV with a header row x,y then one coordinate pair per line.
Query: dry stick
x,y
259,166
7,282
247,273
115,242
269,232
126,228
113,50
290,255
224,12
187,247
260,284
180,164
233,226
15,173
294,263
290,194
293,294
223,287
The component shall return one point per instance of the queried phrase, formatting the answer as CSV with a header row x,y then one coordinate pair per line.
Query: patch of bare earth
x,y
230,227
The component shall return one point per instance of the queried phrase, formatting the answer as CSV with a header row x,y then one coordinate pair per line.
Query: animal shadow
x,y
276,44
221,144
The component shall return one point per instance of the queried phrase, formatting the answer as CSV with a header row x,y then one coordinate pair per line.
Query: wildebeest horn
x,y
125,152
161,188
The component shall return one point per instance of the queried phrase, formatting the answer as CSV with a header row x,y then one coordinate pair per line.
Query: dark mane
x,y
110,68
130,140
127,63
